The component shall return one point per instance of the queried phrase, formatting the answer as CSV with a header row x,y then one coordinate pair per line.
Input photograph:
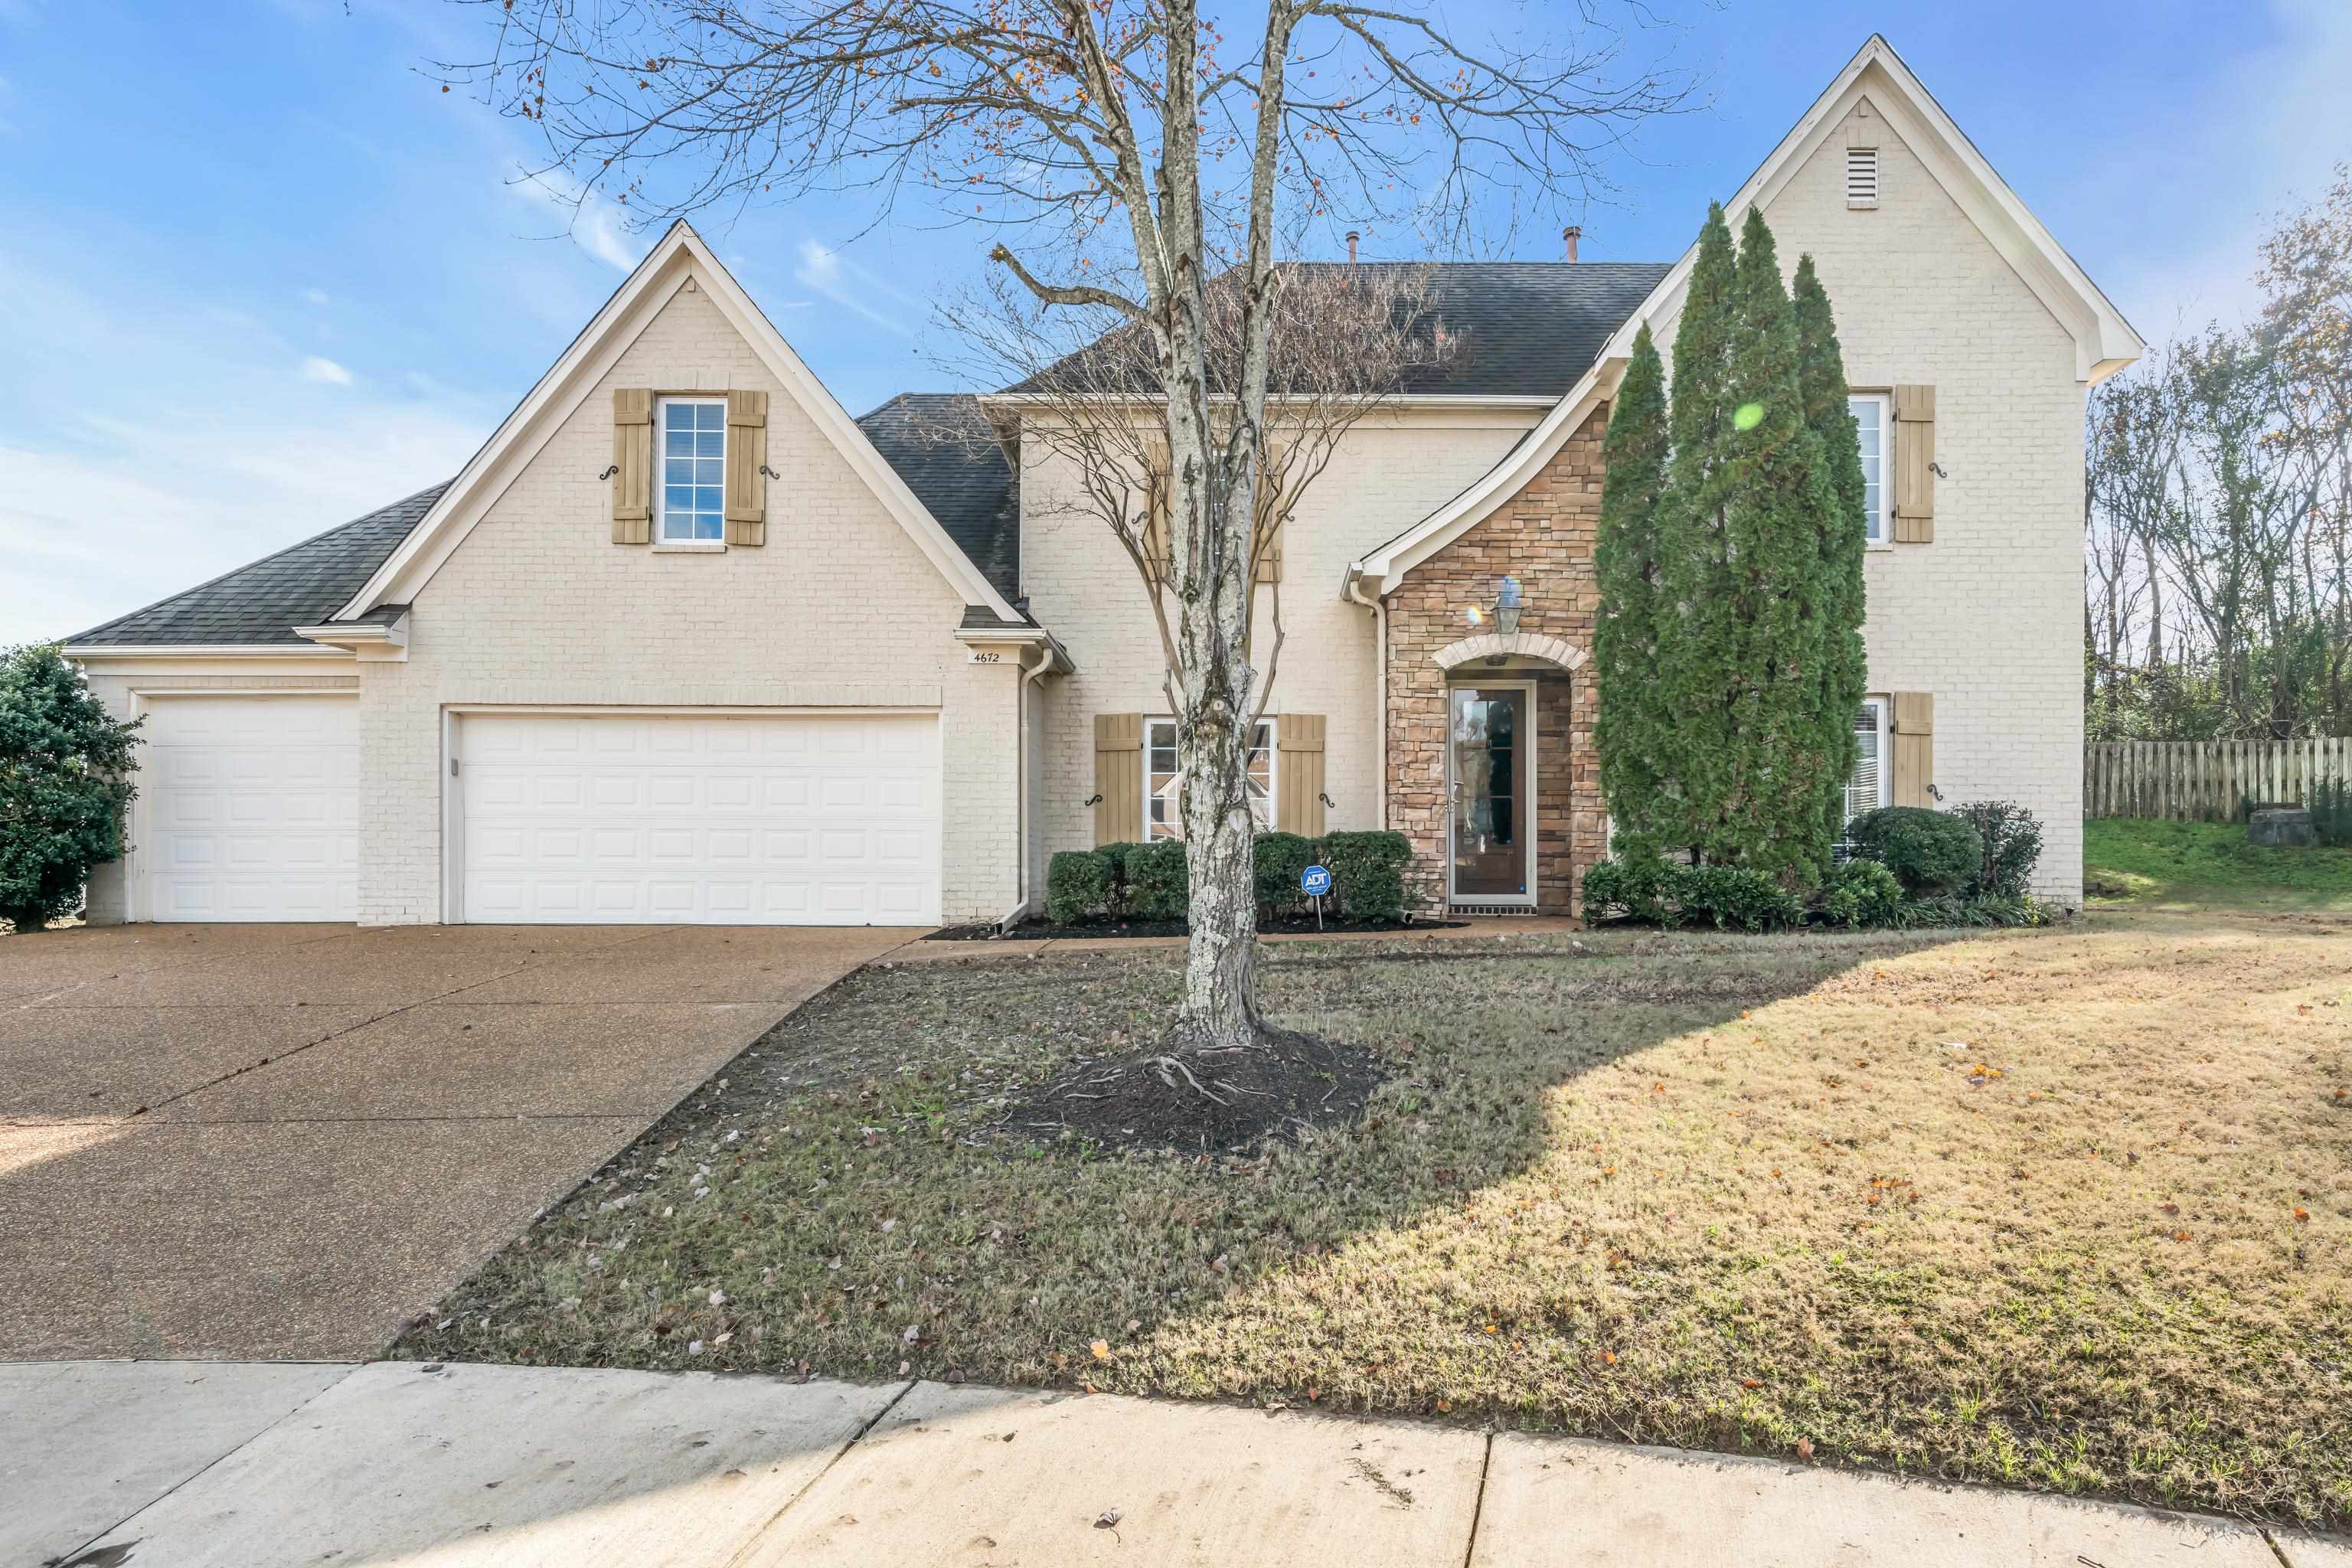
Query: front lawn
x,y
2065,1208
2187,865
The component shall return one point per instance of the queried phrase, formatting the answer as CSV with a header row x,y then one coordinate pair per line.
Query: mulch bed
x,y
1205,1100
1288,925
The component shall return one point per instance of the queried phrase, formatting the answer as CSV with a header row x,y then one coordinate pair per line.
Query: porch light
x,y
1506,607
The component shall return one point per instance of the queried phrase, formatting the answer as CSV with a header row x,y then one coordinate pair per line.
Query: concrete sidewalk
x,y
182,1463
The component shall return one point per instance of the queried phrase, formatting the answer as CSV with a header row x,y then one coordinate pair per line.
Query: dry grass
x,y
2065,1209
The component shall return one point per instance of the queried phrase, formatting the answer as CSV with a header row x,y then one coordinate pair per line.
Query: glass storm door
x,y
1489,756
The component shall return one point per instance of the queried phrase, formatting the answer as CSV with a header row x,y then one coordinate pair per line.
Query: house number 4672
x,y
983,656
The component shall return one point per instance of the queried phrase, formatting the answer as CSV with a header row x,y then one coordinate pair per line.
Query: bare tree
x,y
1131,161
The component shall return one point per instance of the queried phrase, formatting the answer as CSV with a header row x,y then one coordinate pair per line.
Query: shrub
x,y
1115,903
1276,861
1928,851
1077,885
1368,873
1734,898
1950,909
65,778
1630,887
1158,883
1861,893
2012,846
2331,812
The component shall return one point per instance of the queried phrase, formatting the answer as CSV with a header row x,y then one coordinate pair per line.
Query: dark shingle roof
x,y
302,585
1526,329
949,454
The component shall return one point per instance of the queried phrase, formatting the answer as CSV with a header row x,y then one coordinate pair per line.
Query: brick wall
x,y
1544,537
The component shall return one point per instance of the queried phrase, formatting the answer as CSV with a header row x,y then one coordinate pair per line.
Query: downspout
x,y
1379,608
1020,911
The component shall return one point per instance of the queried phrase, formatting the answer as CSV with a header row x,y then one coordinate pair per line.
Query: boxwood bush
x,y
1276,861
1368,873
1928,851
1730,898
1861,893
1078,885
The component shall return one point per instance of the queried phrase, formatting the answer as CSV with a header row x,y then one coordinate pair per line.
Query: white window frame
x,y
662,540
1173,831
1878,523
1882,711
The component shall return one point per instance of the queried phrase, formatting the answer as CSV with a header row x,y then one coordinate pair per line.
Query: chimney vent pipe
x,y
1569,237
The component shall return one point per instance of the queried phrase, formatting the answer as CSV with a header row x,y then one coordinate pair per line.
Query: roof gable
x,y
2104,340
678,258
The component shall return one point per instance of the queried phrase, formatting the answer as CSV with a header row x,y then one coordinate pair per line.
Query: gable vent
x,y
1862,176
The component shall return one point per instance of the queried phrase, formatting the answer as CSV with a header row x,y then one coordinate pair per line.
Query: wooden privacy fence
x,y
2205,781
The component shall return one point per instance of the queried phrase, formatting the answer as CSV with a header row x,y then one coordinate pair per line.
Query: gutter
x,y
1030,675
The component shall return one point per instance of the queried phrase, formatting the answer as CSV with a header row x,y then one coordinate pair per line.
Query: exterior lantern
x,y
1506,607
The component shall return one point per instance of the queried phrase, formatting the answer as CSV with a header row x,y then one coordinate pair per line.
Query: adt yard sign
x,y
1315,881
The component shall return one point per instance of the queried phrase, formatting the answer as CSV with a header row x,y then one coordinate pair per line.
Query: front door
x,y
1490,762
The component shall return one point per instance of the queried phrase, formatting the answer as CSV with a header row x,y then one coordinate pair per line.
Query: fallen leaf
x,y
1101,1349
1804,1447
1106,1518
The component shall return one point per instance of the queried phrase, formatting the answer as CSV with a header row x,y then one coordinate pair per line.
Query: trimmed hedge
x,y
1078,884
1663,892
1928,851
1151,881
1859,894
1368,873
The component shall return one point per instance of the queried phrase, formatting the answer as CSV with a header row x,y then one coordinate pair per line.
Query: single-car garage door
x,y
249,808
755,819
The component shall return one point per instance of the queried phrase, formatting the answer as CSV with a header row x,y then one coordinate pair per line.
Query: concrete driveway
x,y
280,1142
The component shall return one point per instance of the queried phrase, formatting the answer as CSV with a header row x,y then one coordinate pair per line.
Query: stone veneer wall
x,y
1544,537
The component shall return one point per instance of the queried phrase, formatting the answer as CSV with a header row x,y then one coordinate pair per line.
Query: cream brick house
x,y
684,642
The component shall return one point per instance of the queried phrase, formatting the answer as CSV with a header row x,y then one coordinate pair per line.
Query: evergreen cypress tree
x,y
1843,670
1690,550
1634,727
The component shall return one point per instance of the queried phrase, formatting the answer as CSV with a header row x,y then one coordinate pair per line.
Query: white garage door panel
x,y
766,820
251,808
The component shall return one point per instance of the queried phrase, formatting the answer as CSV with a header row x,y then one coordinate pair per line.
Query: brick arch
x,y
1557,651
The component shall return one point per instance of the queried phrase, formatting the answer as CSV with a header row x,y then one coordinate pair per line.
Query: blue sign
x,y
1315,881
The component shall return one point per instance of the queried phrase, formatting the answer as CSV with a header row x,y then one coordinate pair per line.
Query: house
x,y
685,642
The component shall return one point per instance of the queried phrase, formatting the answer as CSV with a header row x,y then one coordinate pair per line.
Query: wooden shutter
x,y
633,465
1118,778
1298,774
1915,461
1159,558
747,453
1269,519
1915,747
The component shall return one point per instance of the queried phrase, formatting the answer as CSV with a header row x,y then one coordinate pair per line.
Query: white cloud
x,y
314,296
327,371
597,225
210,456
847,284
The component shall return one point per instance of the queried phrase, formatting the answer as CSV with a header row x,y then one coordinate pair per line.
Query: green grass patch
x,y
2068,1208
2128,862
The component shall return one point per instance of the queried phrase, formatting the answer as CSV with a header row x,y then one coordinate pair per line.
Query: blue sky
x,y
257,274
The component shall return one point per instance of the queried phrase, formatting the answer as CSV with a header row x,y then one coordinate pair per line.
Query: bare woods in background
x,y
2217,513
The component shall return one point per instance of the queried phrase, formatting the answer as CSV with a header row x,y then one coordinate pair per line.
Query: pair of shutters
x,y
1914,465
1159,550
1119,776
633,467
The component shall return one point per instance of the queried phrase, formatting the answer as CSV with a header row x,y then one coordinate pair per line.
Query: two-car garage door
x,y
249,811
766,820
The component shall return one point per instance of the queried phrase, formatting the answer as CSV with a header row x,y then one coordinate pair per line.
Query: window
x,y
1875,426
1867,789
1862,176
693,492
1163,781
